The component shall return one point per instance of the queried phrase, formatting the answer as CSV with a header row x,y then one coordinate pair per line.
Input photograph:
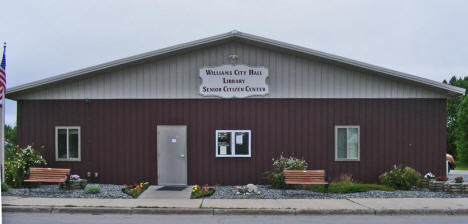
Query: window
x,y
347,143
67,144
232,143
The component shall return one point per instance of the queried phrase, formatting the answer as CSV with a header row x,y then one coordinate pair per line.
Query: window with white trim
x,y
347,143
67,143
233,143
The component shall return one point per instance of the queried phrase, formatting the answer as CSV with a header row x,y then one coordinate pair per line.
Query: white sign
x,y
223,150
228,81
240,139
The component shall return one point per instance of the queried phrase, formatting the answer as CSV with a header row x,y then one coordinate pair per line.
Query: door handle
x,y
182,156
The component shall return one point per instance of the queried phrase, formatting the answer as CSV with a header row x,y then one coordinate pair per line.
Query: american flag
x,y
3,74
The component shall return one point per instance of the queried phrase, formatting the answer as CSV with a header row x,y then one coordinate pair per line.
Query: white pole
x,y
447,168
2,137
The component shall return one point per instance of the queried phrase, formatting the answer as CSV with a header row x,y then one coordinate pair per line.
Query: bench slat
x,y
306,183
49,175
304,179
47,180
307,177
58,173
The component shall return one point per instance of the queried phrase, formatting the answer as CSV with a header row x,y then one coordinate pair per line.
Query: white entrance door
x,y
172,154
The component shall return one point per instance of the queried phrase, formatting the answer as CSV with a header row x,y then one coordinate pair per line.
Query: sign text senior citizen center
x,y
228,81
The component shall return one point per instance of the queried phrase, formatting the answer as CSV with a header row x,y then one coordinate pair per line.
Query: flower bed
x,y
436,185
424,183
205,191
453,187
136,189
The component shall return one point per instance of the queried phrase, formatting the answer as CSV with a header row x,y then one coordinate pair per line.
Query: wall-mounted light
x,y
233,58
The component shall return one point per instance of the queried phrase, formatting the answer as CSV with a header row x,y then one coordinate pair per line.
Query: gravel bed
x,y
52,191
229,192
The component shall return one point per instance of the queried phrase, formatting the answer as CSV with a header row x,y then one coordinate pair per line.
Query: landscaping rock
x,y
453,187
465,188
53,191
436,185
252,188
424,183
75,184
229,192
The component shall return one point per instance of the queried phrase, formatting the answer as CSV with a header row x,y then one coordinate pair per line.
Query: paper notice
x,y
222,150
239,139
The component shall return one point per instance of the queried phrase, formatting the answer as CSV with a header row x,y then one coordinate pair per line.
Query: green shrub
x,y
345,188
345,179
275,177
17,164
92,189
4,187
403,178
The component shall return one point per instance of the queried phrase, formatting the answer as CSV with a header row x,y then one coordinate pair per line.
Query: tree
x,y
10,140
10,134
453,105
461,131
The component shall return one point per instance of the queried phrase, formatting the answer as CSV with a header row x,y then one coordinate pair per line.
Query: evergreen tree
x,y
10,134
453,105
461,130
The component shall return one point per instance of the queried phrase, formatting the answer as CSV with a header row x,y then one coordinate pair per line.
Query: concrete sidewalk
x,y
239,206
153,192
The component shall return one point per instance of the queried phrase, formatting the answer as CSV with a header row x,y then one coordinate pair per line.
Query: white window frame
x,y
68,153
233,150
358,142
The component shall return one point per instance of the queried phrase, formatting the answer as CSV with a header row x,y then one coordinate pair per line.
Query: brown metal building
x,y
217,110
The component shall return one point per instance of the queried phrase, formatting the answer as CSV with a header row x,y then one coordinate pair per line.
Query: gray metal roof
x,y
233,35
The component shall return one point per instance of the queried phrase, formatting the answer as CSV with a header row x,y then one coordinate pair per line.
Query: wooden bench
x,y
305,177
48,175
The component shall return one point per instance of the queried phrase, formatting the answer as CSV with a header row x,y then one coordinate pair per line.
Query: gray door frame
x,y
163,144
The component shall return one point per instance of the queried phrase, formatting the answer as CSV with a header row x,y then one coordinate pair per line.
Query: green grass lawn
x,y
461,166
343,188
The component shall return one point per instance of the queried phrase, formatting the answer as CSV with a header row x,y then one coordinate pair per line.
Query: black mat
x,y
172,188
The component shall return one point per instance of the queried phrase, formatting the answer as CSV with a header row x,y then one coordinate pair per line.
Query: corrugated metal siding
x,y
119,136
290,76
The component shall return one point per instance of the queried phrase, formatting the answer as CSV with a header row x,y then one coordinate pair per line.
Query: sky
x,y
46,38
